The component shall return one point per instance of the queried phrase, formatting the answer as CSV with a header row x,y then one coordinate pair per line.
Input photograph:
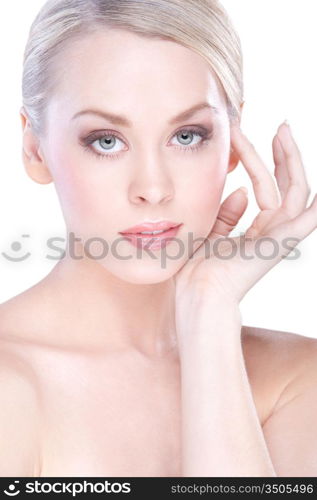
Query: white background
x,y
279,40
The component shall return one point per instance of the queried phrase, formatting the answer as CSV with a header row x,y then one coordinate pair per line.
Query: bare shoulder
x,y
31,316
19,409
286,364
278,364
21,314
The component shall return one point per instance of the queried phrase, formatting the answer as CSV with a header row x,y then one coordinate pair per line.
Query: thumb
x,y
230,212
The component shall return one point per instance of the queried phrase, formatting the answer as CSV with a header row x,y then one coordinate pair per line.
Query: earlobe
x,y
36,169
33,160
233,160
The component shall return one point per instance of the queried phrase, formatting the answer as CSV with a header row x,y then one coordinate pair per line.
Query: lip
x,y
163,225
152,241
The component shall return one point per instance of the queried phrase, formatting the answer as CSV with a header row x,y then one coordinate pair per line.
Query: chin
x,y
140,272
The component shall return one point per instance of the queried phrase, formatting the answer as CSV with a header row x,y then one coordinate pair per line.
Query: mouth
x,y
152,240
151,228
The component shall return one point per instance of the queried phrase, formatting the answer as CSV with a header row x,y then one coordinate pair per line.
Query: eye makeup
x,y
205,133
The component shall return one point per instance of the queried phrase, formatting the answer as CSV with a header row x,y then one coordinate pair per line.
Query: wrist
x,y
210,320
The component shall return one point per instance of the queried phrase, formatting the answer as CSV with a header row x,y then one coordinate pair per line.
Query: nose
x,y
151,183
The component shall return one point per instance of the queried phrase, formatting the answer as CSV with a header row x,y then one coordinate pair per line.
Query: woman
x,y
129,358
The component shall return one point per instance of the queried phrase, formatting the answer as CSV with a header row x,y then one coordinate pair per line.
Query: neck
x,y
105,311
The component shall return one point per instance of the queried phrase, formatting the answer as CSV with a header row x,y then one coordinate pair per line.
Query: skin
x,y
101,345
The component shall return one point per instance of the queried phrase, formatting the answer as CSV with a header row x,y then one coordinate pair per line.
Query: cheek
x,y
204,192
82,196
76,196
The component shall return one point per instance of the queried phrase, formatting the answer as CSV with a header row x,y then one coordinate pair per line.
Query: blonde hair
x,y
200,25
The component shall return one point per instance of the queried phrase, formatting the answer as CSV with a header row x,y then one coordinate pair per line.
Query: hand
x,y
283,218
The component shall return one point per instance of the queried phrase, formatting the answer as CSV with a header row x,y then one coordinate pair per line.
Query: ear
x,y
233,161
234,158
33,159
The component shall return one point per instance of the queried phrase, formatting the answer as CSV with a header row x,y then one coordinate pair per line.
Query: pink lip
x,y
152,241
163,225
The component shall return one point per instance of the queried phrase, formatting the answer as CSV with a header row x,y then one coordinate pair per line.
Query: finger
x,y
267,251
299,227
261,220
264,221
298,190
231,211
263,183
280,170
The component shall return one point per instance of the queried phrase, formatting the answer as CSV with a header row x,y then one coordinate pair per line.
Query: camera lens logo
x,y
13,492
16,247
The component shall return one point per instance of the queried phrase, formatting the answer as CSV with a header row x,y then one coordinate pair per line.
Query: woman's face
x,y
114,174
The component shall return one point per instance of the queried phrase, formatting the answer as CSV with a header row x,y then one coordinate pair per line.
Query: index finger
x,y
265,190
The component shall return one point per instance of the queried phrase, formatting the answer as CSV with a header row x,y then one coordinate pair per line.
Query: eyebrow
x,y
123,121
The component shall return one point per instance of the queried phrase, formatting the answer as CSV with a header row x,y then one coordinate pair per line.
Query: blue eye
x,y
107,140
187,135
107,143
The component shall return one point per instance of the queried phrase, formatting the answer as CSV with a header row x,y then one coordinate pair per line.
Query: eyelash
x,y
203,133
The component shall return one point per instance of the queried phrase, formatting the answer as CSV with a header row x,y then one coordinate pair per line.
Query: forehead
x,y
120,69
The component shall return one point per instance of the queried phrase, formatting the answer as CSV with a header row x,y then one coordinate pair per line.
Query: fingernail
x,y
244,189
286,122
287,134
